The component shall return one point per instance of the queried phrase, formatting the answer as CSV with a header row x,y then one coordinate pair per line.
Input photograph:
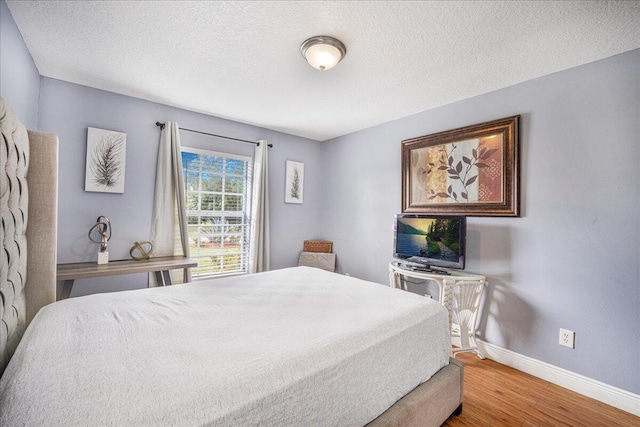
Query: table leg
x,y
167,277
66,289
163,278
466,301
446,297
392,278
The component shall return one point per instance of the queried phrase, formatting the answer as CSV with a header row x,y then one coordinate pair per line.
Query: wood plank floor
x,y
497,395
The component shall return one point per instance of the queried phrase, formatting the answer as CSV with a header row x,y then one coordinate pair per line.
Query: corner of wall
x,y
19,76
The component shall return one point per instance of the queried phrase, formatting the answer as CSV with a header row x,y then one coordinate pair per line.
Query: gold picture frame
x,y
473,171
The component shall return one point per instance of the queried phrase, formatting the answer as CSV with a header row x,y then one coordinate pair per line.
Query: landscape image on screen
x,y
429,238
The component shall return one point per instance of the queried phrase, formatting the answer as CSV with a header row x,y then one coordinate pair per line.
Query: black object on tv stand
x,y
424,268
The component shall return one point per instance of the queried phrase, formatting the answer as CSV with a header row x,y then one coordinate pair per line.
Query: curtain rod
x,y
161,126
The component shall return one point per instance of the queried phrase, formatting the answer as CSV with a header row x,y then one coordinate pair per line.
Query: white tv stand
x,y
459,292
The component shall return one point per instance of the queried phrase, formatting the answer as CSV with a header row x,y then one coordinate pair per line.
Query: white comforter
x,y
296,347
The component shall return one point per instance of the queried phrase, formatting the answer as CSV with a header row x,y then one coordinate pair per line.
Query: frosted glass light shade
x,y
323,52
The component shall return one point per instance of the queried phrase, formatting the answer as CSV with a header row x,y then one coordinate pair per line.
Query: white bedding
x,y
297,347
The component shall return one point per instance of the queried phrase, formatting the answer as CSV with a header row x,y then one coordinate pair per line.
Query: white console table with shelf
x,y
460,292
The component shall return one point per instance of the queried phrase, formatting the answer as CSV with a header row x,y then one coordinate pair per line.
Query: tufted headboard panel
x,y
28,206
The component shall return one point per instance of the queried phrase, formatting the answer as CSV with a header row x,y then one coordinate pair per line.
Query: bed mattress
x,y
292,347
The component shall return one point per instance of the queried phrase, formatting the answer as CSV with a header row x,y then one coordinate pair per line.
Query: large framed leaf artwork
x,y
471,171
106,156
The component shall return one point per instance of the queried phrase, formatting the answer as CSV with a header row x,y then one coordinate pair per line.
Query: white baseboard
x,y
597,390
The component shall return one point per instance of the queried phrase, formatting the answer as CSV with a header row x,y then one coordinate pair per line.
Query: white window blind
x,y
217,189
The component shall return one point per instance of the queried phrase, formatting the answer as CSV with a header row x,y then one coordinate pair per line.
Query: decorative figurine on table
x,y
143,249
102,228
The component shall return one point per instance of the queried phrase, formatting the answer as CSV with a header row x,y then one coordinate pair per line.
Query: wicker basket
x,y
324,246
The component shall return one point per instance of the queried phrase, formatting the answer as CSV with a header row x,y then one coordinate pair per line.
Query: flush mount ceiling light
x,y
323,52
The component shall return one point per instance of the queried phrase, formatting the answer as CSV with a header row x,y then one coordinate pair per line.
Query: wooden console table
x,y
460,293
84,270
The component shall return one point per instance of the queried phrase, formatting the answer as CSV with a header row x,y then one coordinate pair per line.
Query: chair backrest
x,y
321,260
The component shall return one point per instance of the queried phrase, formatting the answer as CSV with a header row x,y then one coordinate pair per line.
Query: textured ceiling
x,y
241,60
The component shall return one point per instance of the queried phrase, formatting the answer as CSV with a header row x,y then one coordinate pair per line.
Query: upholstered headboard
x,y
29,209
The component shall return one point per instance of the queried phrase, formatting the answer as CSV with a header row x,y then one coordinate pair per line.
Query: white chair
x,y
466,296
321,260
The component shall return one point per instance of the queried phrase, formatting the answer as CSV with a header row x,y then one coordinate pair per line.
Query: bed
x,y
297,346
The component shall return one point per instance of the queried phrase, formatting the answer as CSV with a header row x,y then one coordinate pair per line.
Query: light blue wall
x,y
67,110
19,77
572,260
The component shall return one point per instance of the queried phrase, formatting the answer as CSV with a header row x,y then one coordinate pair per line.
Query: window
x,y
217,189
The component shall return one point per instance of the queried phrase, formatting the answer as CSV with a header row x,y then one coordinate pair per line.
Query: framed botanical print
x,y
294,182
106,156
471,171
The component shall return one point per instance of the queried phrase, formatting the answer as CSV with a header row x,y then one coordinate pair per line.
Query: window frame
x,y
244,214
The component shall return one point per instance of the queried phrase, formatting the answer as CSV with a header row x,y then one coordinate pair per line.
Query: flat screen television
x,y
431,240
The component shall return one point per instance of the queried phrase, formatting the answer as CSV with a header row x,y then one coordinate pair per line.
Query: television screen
x,y
433,240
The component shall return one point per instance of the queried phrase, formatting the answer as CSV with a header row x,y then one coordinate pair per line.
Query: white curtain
x,y
259,243
168,221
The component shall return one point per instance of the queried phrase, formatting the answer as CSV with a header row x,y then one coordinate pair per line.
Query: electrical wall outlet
x,y
567,338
